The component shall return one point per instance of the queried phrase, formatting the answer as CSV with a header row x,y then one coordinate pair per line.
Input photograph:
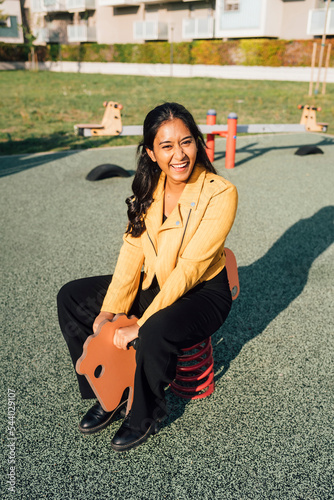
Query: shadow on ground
x,y
21,163
255,152
268,286
60,141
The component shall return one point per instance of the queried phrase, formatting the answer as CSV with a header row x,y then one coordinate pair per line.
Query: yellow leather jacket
x,y
186,249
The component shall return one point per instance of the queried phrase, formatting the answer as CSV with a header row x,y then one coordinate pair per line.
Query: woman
x,y
179,217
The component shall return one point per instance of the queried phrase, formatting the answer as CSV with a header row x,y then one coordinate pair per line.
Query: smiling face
x,y
175,151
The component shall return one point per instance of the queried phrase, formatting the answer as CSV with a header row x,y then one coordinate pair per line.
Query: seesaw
x,y
112,125
308,123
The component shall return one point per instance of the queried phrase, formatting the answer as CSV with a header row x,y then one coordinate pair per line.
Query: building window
x,y
231,5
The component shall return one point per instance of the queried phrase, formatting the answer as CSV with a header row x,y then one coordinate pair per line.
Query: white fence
x,y
292,74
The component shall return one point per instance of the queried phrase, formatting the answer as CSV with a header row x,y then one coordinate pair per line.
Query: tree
x,y
25,22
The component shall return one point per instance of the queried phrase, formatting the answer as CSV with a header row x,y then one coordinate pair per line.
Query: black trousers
x,y
191,319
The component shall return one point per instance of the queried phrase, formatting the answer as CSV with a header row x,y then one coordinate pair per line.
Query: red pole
x,y
210,138
231,141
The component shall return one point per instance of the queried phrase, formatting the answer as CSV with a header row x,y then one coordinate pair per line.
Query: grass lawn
x,y
38,110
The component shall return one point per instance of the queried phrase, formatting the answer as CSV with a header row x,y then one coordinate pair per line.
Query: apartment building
x,y
137,21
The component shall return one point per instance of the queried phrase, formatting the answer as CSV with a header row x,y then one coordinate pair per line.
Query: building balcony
x,y
48,6
62,5
80,5
81,33
50,34
160,1
118,3
150,30
200,27
36,6
316,22
127,3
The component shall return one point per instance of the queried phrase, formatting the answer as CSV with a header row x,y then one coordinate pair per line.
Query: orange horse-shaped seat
x,y
109,370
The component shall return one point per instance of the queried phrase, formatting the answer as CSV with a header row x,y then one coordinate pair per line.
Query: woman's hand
x,y
124,335
102,317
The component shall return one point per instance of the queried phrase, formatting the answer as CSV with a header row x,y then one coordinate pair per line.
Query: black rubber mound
x,y
106,171
309,150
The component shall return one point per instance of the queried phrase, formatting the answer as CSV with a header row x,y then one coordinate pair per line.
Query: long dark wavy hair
x,y
148,171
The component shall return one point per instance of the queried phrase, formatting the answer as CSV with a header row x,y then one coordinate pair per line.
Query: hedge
x,y
249,52
21,52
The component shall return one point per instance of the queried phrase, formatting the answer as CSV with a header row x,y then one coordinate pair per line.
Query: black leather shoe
x,y
97,419
127,437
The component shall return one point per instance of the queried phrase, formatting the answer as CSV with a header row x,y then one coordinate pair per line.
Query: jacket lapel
x,y
193,189
188,201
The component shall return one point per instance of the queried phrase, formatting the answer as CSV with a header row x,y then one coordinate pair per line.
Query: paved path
x,y
266,433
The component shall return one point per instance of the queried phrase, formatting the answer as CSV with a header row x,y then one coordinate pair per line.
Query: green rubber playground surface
x,y
267,430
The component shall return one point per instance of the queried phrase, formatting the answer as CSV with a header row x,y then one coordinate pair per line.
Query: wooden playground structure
x,y
309,119
111,122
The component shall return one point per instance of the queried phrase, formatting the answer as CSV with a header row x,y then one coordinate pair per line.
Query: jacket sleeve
x,y
200,251
125,281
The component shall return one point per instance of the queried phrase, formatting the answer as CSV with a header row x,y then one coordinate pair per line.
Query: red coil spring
x,y
194,372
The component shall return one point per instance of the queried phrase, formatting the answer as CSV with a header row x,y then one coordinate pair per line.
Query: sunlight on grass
x,y
39,110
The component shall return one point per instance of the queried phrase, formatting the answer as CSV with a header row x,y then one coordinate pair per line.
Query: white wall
x,y
273,11
295,16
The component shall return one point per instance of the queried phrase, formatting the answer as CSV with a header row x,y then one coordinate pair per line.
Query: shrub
x,y
153,53
68,52
250,52
99,52
206,52
54,52
214,52
182,53
262,52
123,52
10,52
14,52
